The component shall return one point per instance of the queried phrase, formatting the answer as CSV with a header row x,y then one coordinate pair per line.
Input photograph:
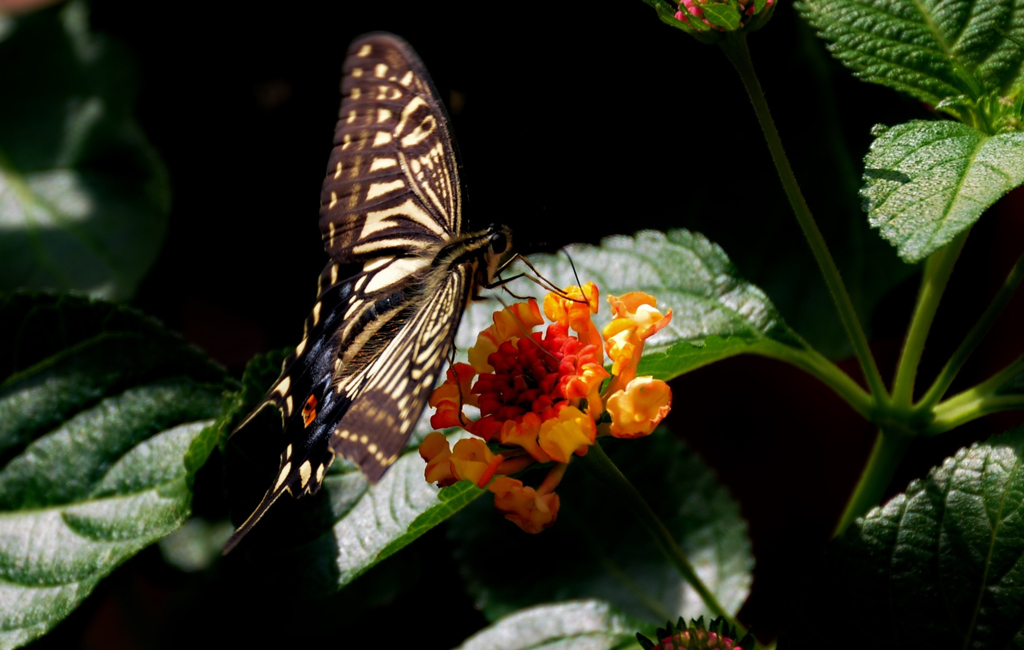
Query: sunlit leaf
x,y
98,409
932,50
926,182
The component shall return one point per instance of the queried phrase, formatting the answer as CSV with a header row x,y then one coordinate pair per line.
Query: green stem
x,y
735,48
599,463
937,269
978,332
885,457
814,363
978,401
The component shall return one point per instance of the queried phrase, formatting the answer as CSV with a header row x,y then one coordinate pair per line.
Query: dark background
x,y
574,123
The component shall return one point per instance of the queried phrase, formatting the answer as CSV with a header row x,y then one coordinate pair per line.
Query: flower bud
x,y
710,20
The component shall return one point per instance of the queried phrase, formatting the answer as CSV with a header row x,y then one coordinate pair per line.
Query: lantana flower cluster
x,y
694,9
545,396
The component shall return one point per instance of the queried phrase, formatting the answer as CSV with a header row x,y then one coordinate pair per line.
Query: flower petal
x,y
641,308
571,433
435,450
524,434
638,408
573,310
472,460
523,506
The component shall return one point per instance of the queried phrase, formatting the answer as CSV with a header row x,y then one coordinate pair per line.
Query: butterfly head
x,y
500,238
499,245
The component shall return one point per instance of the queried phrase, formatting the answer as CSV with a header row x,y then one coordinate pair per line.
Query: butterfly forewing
x,y
390,213
392,183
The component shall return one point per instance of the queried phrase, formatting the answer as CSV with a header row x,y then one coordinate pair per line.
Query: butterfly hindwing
x,y
389,394
302,393
392,184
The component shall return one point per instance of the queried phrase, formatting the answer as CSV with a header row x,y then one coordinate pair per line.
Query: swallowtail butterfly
x,y
391,213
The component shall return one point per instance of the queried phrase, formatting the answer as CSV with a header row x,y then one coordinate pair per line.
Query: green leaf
x,y
590,624
941,565
62,353
380,520
597,549
668,361
83,198
93,436
716,313
926,182
931,50
723,15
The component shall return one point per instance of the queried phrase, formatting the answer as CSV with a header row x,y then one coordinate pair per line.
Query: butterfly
x,y
400,276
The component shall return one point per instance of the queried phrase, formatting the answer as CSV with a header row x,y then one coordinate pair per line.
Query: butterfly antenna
x,y
551,286
504,282
573,267
538,279
458,384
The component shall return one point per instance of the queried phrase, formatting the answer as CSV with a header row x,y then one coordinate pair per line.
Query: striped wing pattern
x,y
391,392
375,341
392,183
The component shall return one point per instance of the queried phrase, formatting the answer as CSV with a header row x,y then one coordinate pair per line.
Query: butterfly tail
x,y
305,462
269,498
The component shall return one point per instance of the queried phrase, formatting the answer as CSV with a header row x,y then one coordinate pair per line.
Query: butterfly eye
x,y
498,242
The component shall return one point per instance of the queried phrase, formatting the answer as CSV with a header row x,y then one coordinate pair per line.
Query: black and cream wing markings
x,y
375,341
391,392
392,183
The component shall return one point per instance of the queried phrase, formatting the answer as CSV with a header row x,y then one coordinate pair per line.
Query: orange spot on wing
x,y
309,411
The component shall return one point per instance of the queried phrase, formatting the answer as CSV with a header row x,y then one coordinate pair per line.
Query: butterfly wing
x,y
392,185
375,341
388,395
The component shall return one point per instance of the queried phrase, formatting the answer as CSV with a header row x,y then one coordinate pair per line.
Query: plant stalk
x,y
735,48
973,338
937,269
885,457
980,400
814,363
